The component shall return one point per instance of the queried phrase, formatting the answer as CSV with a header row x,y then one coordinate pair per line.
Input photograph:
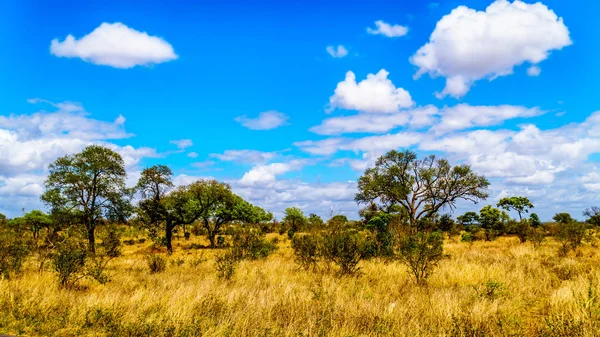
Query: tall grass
x,y
500,288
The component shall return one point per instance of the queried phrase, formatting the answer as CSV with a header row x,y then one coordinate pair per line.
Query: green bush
x,y
468,237
571,234
249,244
14,249
156,263
345,249
226,264
421,252
111,242
306,250
69,262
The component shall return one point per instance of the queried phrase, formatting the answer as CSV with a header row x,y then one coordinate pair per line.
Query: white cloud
x,y
387,30
115,45
469,45
182,143
28,143
265,121
245,156
464,116
338,52
375,94
534,71
264,174
193,155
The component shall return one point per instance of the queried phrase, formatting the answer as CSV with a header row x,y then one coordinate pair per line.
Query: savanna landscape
x,y
299,168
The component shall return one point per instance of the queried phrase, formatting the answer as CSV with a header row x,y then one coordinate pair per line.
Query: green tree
x,y
315,222
493,221
294,218
446,223
519,204
468,219
89,185
218,205
563,218
34,221
420,186
593,216
421,252
535,220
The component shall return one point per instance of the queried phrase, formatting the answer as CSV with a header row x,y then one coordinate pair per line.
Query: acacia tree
x,y
519,204
217,205
593,215
420,186
89,185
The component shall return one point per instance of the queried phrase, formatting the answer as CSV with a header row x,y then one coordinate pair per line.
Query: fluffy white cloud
x,y
264,174
245,156
387,30
375,94
464,116
265,121
338,52
28,143
182,143
534,71
115,45
193,155
469,45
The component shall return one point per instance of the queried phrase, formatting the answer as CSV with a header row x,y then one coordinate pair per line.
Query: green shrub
x,y
421,252
156,263
14,249
111,242
226,264
69,262
249,244
306,250
570,234
220,241
345,249
468,237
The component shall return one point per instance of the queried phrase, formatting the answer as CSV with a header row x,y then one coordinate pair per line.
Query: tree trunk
x,y
169,237
211,238
91,238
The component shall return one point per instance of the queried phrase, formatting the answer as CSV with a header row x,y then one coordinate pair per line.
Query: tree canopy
x,y
89,185
519,204
420,186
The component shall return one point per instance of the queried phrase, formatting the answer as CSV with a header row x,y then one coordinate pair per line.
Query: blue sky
x,y
201,65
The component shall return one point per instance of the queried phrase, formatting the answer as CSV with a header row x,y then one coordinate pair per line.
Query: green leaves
x,y
519,204
420,186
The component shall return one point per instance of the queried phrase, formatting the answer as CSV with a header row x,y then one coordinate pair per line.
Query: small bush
x,y
468,237
345,249
226,265
111,242
421,252
13,252
220,241
178,262
536,236
570,235
156,263
249,244
306,250
69,263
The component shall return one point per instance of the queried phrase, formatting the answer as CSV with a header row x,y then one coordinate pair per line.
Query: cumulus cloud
x,y
375,94
182,143
534,71
264,174
469,45
387,30
265,121
28,143
338,52
115,45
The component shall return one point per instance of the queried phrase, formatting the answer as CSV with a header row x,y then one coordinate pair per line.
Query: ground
x,y
500,288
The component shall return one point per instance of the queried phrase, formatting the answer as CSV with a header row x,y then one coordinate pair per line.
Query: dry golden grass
x,y
500,288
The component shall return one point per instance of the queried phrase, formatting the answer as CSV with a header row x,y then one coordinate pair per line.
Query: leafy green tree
x,y
218,205
535,220
493,221
563,218
337,222
468,219
2,219
294,218
593,216
380,225
420,186
445,223
89,185
519,204
34,221
314,221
